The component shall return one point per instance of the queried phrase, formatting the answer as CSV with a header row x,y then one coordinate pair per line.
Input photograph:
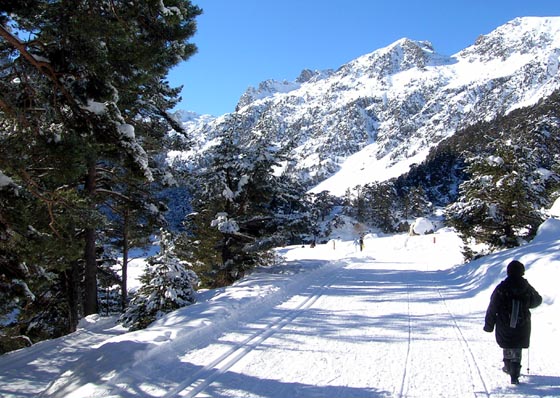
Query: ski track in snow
x,y
408,319
212,371
403,319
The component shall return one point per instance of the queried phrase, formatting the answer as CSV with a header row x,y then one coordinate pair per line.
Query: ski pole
x,y
528,360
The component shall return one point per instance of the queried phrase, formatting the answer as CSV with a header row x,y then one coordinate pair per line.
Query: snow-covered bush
x,y
167,284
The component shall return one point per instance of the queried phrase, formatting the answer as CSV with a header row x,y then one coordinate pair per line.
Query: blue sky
x,y
243,42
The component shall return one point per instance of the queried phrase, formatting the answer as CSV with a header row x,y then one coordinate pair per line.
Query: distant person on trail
x,y
361,243
509,313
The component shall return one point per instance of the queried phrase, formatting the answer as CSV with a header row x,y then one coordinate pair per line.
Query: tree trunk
x,y
90,274
90,296
124,286
72,288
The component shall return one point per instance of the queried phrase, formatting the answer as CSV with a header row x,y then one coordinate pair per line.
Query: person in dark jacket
x,y
509,312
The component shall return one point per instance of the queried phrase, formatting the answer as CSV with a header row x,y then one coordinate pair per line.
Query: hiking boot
x,y
515,370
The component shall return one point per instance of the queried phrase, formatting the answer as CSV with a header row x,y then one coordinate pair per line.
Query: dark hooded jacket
x,y
513,296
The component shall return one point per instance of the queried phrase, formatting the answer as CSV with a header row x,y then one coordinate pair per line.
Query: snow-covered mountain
x,y
378,114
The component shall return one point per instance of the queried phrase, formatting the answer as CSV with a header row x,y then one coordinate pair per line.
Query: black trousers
x,y
512,354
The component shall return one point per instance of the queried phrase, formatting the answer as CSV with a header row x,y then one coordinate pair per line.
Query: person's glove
x,y
488,328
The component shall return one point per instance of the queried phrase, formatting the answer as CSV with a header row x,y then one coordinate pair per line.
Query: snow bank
x,y
555,209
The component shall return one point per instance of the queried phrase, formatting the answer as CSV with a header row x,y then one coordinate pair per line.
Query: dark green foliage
x,y
322,209
83,105
415,203
374,204
501,201
438,176
200,245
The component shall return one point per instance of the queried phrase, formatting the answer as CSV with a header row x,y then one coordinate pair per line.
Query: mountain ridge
x,y
395,103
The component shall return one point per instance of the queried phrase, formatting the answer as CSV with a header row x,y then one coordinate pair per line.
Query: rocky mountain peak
x,y
265,89
402,55
519,36
407,54
389,107
308,75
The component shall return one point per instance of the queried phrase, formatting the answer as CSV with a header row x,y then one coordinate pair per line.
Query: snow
x,y
423,226
225,225
402,318
126,130
364,167
466,70
496,161
98,108
555,209
5,180
169,10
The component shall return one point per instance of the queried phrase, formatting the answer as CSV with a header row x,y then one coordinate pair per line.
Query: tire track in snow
x,y
205,376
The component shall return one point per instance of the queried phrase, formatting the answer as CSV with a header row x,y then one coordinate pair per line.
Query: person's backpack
x,y
517,307
515,312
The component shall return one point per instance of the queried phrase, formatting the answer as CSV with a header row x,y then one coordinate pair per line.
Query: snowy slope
x,y
403,318
378,114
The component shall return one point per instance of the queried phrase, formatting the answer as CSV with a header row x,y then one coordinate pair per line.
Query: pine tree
x,y
81,85
198,244
496,204
380,198
167,284
237,193
418,204
132,214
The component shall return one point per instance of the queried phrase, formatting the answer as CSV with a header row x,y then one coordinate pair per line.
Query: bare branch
x,y
44,67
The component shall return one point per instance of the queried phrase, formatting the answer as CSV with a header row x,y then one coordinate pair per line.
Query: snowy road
x,y
353,325
362,330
